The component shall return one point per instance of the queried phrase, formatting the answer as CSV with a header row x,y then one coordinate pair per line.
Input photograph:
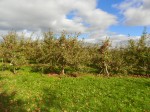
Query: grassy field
x,y
32,92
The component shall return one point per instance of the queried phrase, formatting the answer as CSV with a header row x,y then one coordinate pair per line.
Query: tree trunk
x,y
106,69
100,72
63,71
14,70
2,64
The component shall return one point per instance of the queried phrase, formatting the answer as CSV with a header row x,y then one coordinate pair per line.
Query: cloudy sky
x,y
95,19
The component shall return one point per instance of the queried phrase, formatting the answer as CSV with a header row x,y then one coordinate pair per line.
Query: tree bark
x,y
106,69
14,70
2,64
63,71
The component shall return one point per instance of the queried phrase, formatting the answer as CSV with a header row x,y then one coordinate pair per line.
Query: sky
x,y
119,20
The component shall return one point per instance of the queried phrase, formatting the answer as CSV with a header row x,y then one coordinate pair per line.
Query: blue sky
x,y
120,27
95,19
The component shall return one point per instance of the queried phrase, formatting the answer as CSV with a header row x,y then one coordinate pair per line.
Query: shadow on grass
x,y
51,101
8,104
145,83
1,78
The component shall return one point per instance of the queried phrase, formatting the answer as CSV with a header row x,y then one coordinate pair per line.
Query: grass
x,y
32,92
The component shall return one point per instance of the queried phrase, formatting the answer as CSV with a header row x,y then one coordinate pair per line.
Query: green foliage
x,y
71,52
102,58
12,51
117,64
62,52
137,56
56,53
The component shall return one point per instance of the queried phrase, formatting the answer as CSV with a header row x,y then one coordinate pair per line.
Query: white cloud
x,y
36,15
115,38
136,12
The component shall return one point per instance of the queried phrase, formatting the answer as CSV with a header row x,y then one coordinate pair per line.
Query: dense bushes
x,y
62,52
